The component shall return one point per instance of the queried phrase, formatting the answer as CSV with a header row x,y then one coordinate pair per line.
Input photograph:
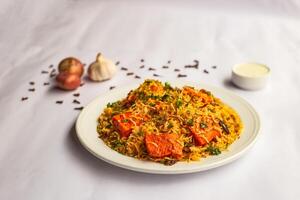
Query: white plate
x,y
87,123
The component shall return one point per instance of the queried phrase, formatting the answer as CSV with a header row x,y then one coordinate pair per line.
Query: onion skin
x,y
68,81
71,65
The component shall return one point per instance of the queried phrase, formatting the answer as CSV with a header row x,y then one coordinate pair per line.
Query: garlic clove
x,y
102,69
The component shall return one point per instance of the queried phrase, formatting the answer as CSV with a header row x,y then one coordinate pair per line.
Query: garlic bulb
x,y
102,69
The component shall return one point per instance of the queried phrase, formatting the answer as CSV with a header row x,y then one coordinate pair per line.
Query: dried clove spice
x,y
31,89
224,127
142,60
78,108
176,70
51,66
129,73
169,162
196,65
165,67
24,98
137,77
31,83
151,69
169,61
46,83
52,75
124,68
44,72
156,75
76,94
112,87
143,66
76,101
214,67
117,63
205,71
181,75
59,102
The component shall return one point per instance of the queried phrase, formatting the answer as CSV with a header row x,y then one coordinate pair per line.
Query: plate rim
x,y
218,163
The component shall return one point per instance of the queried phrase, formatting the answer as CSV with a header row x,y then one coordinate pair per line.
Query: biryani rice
x,y
164,109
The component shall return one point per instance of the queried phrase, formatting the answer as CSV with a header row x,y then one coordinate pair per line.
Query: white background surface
x,y
41,159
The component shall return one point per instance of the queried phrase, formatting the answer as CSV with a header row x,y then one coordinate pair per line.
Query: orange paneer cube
x,y
202,94
203,138
162,145
122,124
204,130
125,122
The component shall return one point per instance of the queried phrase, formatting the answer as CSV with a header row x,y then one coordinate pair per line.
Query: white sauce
x,y
251,70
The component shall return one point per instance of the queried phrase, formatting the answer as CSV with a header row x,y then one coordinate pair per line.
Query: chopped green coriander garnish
x,y
168,86
213,150
170,125
190,122
203,125
179,103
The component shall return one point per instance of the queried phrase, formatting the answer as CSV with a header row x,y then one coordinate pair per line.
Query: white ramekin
x,y
250,82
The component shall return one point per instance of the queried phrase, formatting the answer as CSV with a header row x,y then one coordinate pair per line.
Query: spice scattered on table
x,y
196,65
190,66
74,66
181,75
76,101
76,94
78,108
52,75
24,98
